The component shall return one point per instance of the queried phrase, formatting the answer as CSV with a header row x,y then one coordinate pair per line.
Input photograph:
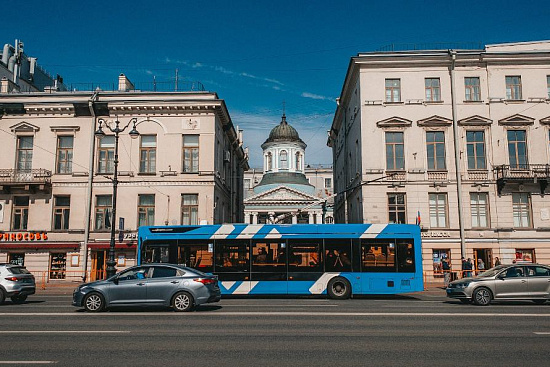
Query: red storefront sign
x,y
24,236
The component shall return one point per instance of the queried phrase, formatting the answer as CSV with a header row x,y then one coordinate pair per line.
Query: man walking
x,y
446,267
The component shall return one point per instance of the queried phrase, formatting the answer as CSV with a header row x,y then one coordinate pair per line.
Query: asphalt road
x,y
421,329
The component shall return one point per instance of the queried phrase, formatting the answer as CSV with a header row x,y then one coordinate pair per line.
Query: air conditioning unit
x,y
227,156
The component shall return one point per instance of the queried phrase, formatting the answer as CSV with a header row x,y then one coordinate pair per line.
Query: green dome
x,y
283,132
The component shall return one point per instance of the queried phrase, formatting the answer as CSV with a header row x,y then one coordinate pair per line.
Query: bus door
x,y
196,254
338,259
305,267
232,266
269,267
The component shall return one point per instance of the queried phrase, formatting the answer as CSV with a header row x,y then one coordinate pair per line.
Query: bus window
x,y
269,260
232,256
337,255
196,254
305,256
378,255
158,252
405,256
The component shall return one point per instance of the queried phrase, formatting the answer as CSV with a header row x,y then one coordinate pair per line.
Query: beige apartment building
x,y
185,167
458,141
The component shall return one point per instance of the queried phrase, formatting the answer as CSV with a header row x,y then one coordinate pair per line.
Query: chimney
x,y
124,84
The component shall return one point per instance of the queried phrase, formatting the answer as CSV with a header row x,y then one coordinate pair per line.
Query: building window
x,y
475,141
521,206
103,204
106,154
24,153
517,149
148,154
471,86
513,87
247,184
393,90
283,159
328,183
61,212
526,255
438,255
479,206
191,153
65,154
395,156
435,141
298,162
269,165
397,212
189,209
438,210
20,213
146,210
548,86
433,90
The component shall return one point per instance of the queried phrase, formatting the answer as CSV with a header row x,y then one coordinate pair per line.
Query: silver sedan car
x,y
504,282
177,286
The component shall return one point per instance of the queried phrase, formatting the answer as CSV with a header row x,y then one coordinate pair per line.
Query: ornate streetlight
x,y
134,134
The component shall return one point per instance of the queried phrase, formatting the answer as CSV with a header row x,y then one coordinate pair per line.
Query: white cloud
x,y
316,96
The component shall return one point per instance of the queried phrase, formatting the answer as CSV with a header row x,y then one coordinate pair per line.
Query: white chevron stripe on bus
x,y
373,231
249,231
321,284
224,231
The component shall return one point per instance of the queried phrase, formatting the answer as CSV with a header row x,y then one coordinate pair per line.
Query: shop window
x,y
525,255
58,266
438,255
17,259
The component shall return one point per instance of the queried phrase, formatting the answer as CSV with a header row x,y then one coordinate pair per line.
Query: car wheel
x,y
540,301
18,299
465,301
339,288
482,296
2,296
94,302
183,302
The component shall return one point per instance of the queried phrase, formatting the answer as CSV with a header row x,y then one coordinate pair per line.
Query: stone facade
x,y
458,141
186,167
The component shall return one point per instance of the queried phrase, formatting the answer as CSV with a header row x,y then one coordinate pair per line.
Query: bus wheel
x,y
339,288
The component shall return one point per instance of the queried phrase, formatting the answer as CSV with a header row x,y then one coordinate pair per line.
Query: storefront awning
x,y
39,245
106,245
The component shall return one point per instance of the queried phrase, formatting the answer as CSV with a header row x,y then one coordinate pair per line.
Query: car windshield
x,y
491,272
18,270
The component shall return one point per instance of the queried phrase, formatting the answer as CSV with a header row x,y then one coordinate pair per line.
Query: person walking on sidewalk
x,y
446,267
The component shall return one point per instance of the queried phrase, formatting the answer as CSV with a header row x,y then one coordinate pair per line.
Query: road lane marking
x,y
28,362
64,331
276,314
542,332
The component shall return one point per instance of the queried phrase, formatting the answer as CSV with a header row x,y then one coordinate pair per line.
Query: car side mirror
x,y
115,279
501,276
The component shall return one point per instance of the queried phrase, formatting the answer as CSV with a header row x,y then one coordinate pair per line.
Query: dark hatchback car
x,y
170,285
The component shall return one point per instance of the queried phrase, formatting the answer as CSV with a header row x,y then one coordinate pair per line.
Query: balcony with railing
x,y
522,173
31,179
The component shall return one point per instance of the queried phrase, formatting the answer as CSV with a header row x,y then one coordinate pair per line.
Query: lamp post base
x,y
111,270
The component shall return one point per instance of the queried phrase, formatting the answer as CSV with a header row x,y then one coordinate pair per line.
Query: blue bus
x,y
337,260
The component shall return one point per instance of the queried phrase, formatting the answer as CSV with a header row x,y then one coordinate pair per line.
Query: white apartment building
x,y
459,140
56,190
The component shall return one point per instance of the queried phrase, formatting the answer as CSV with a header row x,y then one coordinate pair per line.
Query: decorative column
x,y
311,219
246,217
254,217
294,218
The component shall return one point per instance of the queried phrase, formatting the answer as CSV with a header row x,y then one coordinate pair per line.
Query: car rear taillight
x,y
13,279
205,280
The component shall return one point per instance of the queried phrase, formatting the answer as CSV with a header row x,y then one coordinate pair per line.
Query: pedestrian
x,y
446,267
497,261
463,266
480,265
468,266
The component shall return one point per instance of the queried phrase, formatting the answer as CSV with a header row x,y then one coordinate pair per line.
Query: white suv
x,y
16,282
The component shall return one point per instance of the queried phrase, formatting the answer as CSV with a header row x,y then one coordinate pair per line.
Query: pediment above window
x,y
394,122
434,121
545,121
475,120
24,127
517,120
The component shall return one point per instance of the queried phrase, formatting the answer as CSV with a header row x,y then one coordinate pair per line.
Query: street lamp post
x,y
134,134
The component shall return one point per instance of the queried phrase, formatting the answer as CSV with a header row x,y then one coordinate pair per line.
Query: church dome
x,y
283,133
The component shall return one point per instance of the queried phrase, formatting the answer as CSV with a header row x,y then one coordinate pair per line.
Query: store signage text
x,y
24,236
435,234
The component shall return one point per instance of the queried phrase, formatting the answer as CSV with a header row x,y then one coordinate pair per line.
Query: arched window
x,y
298,161
283,160
269,163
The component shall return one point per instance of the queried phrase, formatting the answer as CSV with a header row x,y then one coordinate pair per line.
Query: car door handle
x,y
524,281
174,281
140,284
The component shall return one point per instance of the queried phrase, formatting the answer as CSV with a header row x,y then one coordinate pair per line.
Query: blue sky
x,y
254,54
